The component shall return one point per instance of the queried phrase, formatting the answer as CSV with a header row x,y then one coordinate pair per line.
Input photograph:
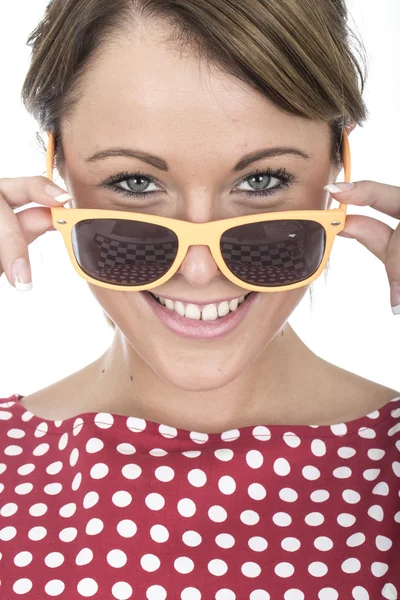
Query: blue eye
x,y
262,178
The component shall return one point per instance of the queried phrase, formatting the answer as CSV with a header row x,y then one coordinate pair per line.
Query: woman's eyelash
x,y
284,176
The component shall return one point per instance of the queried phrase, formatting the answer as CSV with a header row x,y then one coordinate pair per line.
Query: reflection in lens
x,y
123,252
274,253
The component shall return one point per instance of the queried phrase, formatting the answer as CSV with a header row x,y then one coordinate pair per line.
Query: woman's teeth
x,y
211,312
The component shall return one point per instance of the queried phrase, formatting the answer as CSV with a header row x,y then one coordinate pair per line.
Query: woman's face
x,y
143,95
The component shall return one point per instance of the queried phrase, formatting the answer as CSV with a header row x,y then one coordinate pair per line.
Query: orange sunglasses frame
x,y
196,234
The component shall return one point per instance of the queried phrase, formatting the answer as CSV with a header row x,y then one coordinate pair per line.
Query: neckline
x,y
362,425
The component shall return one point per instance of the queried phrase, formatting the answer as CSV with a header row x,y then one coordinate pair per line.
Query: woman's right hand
x,y
18,230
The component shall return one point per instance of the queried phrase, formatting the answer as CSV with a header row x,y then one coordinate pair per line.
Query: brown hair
x,y
297,53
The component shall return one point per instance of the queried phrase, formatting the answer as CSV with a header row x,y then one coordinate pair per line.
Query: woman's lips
x,y
198,329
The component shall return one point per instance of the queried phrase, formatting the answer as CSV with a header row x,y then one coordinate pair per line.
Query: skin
x,y
202,122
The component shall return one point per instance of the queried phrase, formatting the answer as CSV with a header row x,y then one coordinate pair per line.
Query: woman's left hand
x,y
378,237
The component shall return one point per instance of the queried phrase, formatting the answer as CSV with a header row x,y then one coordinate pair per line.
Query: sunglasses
x,y
268,252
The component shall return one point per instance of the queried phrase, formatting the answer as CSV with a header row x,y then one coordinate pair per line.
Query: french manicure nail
x,y
21,275
57,194
395,297
336,188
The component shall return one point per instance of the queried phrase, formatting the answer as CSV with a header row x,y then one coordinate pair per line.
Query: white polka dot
x,y
328,594
225,540
251,569
383,543
290,544
291,439
9,509
104,420
90,499
342,473
351,496
150,562
53,488
261,433
254,459
284,569
126,448
258,544
227,485
164,474
367,433
22,586
186,507
156,592
22,559
159,533
376,512
282,519
68,534
379,569
190,593
389,591
192,454
121,498
87,587
318,448
197,477
127,528
191,538
249,517
375,453
225,594
346,452
184,565
317,569
77,426
260,595
68,510
135,424
54,559
37,533
22,470
98,471
63,441
351,565
355,540
16,433
293,594
122,590
360,593
217,514
116,558
167,432
54,468
371,474
288,495
7,533
323,543
281,466
230,436
396,468
94,445
217,567
199,438
157,452
339,429
131,471
84,557
40,449
94,526
257,491
224,454
24,488
346,519
381,489
319,495
311,473
55,587
154,501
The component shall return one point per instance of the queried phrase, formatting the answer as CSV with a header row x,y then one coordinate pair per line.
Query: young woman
x,y
208,454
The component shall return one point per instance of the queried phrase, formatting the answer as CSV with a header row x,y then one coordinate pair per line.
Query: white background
x,y
58,328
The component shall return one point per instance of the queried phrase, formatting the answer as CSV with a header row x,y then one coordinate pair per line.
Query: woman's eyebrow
x,y
162,164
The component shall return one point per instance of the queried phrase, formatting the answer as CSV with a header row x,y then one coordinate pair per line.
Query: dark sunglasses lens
x,y
274,253
124,252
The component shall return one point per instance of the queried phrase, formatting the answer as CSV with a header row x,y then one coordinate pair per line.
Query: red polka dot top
x,y
108,507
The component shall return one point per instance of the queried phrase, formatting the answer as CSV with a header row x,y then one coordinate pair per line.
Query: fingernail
x,y
336,188
21,274
395,297
57,194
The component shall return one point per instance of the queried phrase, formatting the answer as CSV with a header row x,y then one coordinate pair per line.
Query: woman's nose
x,y
199,267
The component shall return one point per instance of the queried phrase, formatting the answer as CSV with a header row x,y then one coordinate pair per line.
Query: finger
x,y
372,233
393,270
18,191
381,196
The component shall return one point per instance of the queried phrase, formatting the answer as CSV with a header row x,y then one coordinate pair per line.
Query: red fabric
x,y
109,507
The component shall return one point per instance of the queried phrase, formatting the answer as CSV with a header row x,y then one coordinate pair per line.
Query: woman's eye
x,y
137,184
260,182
